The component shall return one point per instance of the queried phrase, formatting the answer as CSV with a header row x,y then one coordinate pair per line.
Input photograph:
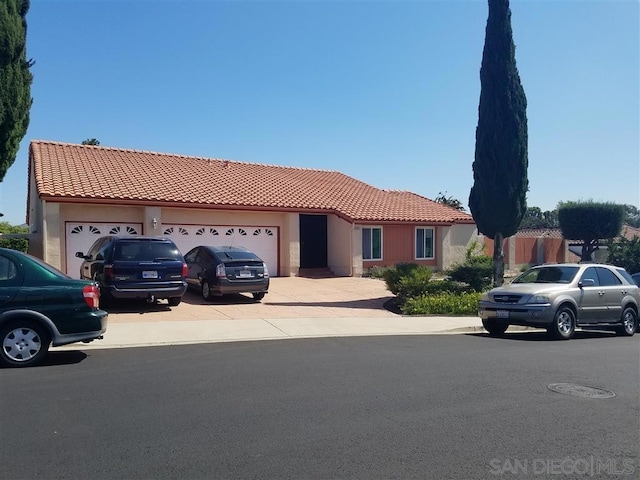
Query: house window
x,y
424,243
372,243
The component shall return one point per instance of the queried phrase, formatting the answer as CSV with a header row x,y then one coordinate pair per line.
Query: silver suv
x,y
561,297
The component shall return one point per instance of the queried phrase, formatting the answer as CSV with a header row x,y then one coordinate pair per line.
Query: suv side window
x,y
93,251
103,252
607,278
591,274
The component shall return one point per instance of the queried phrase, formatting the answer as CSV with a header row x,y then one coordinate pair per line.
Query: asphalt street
x,y
424,407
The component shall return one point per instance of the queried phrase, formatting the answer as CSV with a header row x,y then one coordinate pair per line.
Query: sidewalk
x,y
138,334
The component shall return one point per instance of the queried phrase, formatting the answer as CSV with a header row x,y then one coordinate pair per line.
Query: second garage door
x,y
262,240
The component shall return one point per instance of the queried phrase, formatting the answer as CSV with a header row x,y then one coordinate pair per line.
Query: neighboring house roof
x,y
630,232
539,232
66,172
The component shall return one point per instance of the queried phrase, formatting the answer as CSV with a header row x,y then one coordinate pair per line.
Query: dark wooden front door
x,y
313,241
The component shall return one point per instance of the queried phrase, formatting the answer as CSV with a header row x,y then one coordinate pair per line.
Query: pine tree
x,y
498,197
15,80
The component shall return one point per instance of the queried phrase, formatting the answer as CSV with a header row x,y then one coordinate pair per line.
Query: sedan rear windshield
x,y
240,255
548,274
146,251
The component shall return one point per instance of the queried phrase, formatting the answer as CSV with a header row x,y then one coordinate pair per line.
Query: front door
x,y
313,241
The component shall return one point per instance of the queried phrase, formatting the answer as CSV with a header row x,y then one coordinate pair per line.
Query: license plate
x,y
149,274
502,313
245,274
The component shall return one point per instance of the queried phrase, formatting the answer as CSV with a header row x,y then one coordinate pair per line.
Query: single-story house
x,y
294,218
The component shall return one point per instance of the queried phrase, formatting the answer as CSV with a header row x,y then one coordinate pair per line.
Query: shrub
x,y
442,304
477,273
393,275
414,282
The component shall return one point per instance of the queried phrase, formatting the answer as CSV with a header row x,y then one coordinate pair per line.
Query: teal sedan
x,y
41,307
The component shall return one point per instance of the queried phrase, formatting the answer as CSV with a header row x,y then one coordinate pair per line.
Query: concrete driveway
x,y
288,297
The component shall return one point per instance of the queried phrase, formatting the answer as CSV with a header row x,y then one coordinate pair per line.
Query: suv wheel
x,y
564,324
174,301
494,327
23,343
207,294
629,322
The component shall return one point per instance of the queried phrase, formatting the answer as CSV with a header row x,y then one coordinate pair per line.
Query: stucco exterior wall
x,y
454,241
339,246
36,240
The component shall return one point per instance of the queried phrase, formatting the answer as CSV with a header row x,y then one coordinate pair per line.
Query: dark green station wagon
x,y
41,307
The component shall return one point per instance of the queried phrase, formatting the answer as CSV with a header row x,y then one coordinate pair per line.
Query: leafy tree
x,y
632,216
590,222
534,217
625,253
498,198
91,141
449,201
15,80
21,244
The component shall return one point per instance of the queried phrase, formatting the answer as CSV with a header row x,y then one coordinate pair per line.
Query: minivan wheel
x,y
494,327
174,301
24,343
207,294
258,296
564,324
629,322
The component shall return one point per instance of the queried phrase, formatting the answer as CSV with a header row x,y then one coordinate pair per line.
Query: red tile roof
x,y
84,173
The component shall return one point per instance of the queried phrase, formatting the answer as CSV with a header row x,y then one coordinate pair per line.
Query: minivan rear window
x,y
146,251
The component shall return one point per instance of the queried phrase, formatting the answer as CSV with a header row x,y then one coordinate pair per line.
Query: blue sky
x,y
384,91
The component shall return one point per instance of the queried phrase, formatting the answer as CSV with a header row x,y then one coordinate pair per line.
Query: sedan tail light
x,y
221,272
185,270
266,270
91,294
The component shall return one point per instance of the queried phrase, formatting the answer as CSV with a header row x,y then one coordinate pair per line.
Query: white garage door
x,y
80,237
263,241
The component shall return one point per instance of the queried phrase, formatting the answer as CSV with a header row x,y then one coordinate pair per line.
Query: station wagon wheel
x,y
23,343
564,324
629,322
494,327
207,294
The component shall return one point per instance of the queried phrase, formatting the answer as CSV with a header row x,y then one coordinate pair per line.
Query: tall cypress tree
x,y
498,198
15,80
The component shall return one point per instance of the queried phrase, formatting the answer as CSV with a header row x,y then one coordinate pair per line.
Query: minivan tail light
x,y
185,270
108,271
266,270
91,294
221,272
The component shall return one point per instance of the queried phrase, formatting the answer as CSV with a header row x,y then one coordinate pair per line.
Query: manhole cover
x,y
580,390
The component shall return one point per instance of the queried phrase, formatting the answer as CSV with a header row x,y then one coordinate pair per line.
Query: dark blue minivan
x,y
136,267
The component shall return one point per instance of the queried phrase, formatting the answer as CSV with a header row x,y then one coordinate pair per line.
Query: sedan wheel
x,y
258,296
629,322
564,324
207,294
23,343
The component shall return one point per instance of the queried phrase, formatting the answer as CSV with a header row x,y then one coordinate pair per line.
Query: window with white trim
x,y
425,243
372,243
